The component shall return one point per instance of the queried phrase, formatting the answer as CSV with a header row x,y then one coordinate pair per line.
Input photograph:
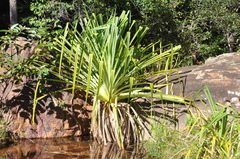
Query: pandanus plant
x,y
106,60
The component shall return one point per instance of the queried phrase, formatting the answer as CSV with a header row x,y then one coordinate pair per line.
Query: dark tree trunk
x,y
13,11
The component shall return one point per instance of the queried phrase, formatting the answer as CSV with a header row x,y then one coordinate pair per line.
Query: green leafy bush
x,y
50,12
17,40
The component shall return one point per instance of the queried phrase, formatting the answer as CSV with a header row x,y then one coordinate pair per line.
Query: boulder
x,y
220,75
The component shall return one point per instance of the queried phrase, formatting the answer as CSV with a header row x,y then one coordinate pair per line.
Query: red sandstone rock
x,y
51,120
57,115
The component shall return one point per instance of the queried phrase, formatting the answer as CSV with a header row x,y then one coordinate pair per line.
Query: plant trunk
x,y
230,40
13,12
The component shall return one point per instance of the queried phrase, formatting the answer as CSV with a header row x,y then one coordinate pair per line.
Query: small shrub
x,y
212,135
3,131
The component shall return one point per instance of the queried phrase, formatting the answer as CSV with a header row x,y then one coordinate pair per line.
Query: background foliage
x,y
204,28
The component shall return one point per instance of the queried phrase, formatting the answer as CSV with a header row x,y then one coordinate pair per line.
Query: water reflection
x,y
111,151
66,148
